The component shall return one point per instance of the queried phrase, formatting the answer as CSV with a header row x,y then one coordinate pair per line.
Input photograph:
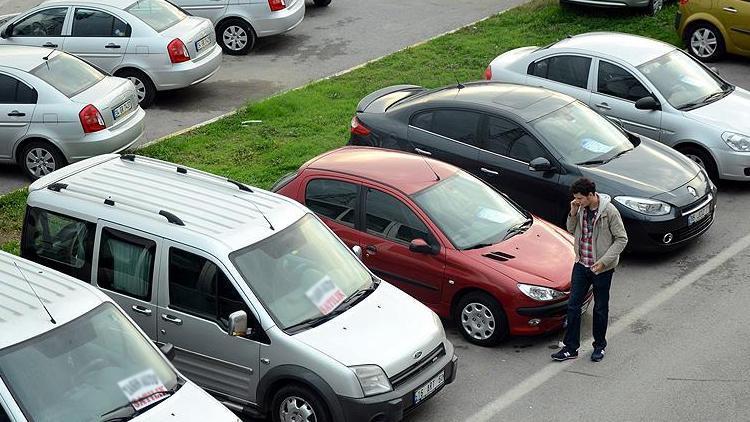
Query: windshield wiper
x,y
590,162
518,229
478,246
350,301
137,412
619,154
705,100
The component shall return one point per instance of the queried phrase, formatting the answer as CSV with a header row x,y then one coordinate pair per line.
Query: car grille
x,y
698,227
418,367
694,204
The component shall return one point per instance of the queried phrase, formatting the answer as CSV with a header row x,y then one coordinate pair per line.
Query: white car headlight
x,y
736,141
543,294
373,380
644,205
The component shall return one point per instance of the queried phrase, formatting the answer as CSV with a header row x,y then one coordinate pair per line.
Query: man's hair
x,y
583,186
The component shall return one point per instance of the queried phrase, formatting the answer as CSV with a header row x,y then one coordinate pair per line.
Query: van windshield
x,y
301,273
158,14
85,368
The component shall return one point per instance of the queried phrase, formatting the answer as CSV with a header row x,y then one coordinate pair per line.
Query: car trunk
x,y
110,96
190,31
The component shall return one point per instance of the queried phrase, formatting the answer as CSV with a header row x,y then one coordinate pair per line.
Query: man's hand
x,y
597,268
574,206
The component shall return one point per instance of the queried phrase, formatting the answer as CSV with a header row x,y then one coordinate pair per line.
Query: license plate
x,y
122,109
699,215
203,43
424,391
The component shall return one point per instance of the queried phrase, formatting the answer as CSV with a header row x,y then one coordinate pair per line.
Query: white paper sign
x,y
325,295
595,146
492,215
141,385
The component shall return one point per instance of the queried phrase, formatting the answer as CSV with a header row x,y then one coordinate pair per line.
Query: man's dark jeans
x,y
582,279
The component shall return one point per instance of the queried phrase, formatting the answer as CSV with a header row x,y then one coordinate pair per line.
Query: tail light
x,y
683,2
178,53
358,128
91,119
277,5
488,73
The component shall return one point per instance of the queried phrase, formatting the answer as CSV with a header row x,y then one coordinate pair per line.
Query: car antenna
x,y
46,58
52,320
261,213
437,176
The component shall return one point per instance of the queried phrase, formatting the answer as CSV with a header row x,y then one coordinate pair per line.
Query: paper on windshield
x,y
492,215
325,295
595,146
141,385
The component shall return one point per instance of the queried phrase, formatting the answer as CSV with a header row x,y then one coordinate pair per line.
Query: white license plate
x,y
699,215
122,109
203,43
424,391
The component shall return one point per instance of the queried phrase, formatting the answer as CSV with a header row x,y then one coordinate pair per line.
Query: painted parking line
x,y
490,410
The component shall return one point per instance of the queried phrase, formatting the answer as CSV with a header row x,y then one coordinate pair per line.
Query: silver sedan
x,y
56,109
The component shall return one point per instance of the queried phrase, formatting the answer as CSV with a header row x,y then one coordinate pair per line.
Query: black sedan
x,y
532,143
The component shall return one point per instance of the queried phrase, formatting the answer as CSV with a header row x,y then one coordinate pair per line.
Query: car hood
x,y
386,329
728,113
188,404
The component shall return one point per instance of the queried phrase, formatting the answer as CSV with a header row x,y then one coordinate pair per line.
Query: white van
x,y
265,306
68,353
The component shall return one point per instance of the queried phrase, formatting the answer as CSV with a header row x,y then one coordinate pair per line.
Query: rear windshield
x,y
68,74
157,14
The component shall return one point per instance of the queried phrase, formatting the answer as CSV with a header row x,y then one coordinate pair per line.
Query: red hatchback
x,y
443,236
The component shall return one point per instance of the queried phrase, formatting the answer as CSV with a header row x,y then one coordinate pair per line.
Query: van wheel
x,y
703,159
40,158
481,319
144,87
236,37
705,42
296,403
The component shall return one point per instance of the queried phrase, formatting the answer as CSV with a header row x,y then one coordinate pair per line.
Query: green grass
x,y
299,124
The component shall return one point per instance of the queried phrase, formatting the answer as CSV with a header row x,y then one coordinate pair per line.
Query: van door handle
x,y
172,319
141,309
730,9
16,113
604,106
49,45
371,250
488,171
423,152
112,45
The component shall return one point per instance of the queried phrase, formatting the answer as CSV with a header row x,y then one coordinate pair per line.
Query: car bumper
x,y
733,165
281,21
116,139
610,3
391,407
536,320
182,75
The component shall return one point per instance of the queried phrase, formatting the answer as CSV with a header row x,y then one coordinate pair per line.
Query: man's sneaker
x,y
597,354
564,354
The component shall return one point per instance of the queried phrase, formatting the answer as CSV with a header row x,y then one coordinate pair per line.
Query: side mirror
x,y
167,349
237,324
421,246
4,33
540,164
357,251
647,103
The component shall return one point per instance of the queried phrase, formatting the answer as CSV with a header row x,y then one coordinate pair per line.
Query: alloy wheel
x,y
40,162
478,321
235,37
703,42
140,87
296,409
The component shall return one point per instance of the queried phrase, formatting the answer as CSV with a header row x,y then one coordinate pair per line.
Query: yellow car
x,y
711,28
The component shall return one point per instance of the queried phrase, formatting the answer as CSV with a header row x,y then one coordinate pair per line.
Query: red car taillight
x,y
277,5
358,128
488,73
178,53
91,119
683,2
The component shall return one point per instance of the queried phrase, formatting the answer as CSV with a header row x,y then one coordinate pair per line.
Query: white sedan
x,y
151,42
56,109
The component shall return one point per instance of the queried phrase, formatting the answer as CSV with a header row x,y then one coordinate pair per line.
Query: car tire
x,y
299,401
144,87
702,158
39,158
321,3
236,37
480,319
654,7
705,42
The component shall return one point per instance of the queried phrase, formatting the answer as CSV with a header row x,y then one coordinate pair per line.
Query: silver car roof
x,y
23,58
117,4
632,49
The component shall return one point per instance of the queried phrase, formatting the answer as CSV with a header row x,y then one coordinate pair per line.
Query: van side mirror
x,y
167,349
647,103
540,164
238,324
421,246
357,251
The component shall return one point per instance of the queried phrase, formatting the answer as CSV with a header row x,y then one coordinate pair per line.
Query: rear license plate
x,y
424,391
699,215
203,43
122,109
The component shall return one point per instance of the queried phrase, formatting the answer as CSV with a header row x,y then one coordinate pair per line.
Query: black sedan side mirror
x,y
168,350
540,164
647,103
421,246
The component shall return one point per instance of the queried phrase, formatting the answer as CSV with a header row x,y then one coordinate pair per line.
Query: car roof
x,y
117,4
163,199
409,173
21,313
23,58
632,49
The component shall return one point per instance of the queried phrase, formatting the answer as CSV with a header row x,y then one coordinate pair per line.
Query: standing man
x,y
599,239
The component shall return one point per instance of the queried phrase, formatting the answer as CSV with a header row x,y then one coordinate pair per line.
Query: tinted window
x,y
391,218
422,121
508,139
13,91
618,82
93,23
571,70
60,242
46,23
3,416
333,199
457,125
68,74
158,14
126,264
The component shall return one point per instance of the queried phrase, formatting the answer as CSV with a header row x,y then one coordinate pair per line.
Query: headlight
x,y
644,205
736,141
372,379
543,294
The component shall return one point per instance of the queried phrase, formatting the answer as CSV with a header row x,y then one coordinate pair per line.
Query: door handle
x,y
730,9
423,152
16,113
112,45
49,45
141,309
488,171
371,250
172,319
604,106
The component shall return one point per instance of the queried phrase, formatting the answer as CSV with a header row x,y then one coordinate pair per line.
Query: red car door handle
x,y
371,250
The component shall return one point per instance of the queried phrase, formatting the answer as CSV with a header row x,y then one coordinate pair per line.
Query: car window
x,y
95,23
618,82
68,74
198,286
3,416
457,125
333,199
126,263
60,242
13,91
387,216
508,139
45,23
422,120
571,70
158,14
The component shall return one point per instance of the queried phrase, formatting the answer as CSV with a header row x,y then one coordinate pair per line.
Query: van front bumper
x,y
391,407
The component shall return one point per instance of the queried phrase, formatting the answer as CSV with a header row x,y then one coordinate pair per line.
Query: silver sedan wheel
x,y
295,409
140,87
478,321
40,162
703,42
656,6
235,37
696,160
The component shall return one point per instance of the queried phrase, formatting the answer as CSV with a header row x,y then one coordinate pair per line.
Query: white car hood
x,y
188,404
387,329
729,113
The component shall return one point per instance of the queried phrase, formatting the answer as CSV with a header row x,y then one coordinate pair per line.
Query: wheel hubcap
x,y
657,5
235,38
478,321
140,87
703,42
40,162
295,409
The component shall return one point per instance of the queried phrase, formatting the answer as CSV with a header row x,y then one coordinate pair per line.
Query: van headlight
x,y
737,141
543,294
373,380
644,205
